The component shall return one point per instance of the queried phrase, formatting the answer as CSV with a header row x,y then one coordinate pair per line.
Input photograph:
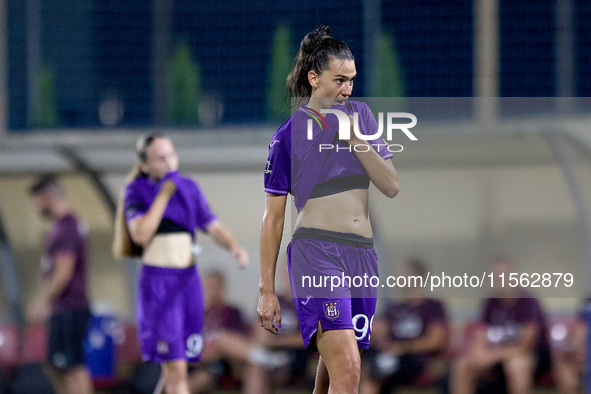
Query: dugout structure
x,y
521,188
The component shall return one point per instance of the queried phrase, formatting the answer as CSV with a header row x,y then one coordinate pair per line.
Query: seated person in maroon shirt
x,y
268,358
568,355
410,330
219,318
511,344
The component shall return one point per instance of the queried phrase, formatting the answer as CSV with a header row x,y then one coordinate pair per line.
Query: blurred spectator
x,y
406,335
63,293
568,354
219,318
263,353
509,347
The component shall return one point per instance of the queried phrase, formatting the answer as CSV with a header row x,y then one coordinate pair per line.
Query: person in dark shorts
x,y
63,294
511,345
407,334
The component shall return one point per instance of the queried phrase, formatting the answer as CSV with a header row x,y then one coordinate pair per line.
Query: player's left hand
x,y
242,256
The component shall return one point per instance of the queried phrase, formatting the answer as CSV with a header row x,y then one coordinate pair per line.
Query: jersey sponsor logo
x,y
268,168
331,309
409,327
194,345
507,333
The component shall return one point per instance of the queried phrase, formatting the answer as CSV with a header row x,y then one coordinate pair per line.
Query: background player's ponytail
x,y
316,50
123,245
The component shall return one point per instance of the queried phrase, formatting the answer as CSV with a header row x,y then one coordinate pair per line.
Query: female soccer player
x,y
160,211
333,232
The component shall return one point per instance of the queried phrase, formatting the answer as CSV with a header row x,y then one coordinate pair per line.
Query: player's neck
x,y
315,104
60,210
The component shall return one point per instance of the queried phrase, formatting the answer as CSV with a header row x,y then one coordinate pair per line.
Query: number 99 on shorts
x,y
362,326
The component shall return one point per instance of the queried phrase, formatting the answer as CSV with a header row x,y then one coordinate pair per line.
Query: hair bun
x,y
314,39
323,30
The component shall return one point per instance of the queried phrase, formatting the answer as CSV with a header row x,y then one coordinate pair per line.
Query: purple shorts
x,y
170,314
317,260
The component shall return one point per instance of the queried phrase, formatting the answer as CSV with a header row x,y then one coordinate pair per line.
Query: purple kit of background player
x,y
298,166
157,218
170,328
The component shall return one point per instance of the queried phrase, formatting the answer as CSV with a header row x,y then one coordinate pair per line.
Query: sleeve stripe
x,y
275,191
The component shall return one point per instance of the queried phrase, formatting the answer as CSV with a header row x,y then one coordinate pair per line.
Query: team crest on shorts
x,y
162,347
331,309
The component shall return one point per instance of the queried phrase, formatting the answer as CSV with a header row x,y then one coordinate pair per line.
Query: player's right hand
x,y
169,187
168,182
268,309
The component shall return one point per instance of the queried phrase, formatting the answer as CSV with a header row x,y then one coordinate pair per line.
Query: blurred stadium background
x,y
81,80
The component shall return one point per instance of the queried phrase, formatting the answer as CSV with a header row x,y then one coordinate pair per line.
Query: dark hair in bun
x,y
315,52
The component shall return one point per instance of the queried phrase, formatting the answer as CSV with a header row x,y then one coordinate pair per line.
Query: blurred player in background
x,y
409,332
333,231
159,213
512,342
63,293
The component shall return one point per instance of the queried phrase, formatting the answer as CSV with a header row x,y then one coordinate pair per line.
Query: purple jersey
x,y
506,317
187,207
411,321
67,235
297,165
